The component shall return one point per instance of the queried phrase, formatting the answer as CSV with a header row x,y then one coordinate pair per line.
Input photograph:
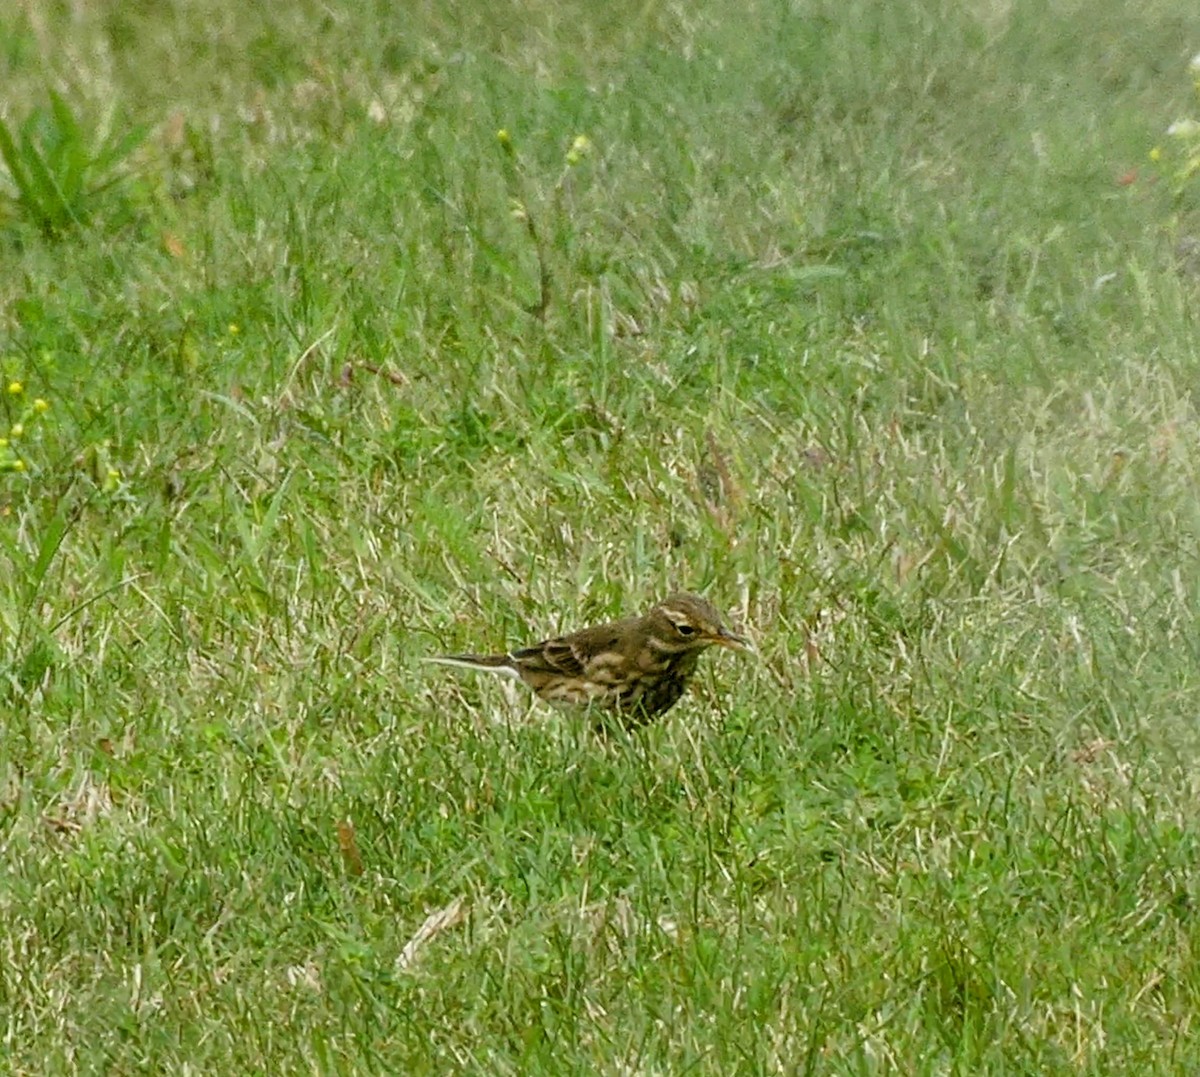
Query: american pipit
x,y
636,668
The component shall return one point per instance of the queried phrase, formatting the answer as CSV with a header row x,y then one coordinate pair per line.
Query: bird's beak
x,y
731,640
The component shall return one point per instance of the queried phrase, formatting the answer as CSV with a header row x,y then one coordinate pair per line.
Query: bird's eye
x,y
686,630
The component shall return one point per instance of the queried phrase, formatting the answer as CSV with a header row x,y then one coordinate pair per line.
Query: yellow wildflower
x,y
41,405
17,430
15,387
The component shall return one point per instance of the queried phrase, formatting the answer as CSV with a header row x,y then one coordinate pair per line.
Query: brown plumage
x,y
636,668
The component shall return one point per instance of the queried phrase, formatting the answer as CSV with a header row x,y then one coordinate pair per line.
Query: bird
x,y
634,669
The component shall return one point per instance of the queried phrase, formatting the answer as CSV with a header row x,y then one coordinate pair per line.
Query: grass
x,y
856,320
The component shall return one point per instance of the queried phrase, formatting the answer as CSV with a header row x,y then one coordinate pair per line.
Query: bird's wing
x,y
573,655
554,656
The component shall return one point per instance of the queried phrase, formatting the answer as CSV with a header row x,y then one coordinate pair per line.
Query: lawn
x,y
341,335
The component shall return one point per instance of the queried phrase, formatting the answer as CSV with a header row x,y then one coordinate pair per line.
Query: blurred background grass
x,y
873,321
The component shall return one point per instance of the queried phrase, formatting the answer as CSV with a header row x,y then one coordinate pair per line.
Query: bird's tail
x,y
488,663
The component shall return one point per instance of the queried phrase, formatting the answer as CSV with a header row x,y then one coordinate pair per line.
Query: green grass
x,y
870,261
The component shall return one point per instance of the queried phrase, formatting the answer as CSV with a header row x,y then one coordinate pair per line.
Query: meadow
x,y
333,336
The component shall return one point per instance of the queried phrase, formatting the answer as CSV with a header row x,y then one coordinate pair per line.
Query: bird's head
x,y
693,623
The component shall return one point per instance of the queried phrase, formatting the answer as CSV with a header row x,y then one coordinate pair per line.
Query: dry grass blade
x,y
435,923
731,493
348,845
719,491
346,377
